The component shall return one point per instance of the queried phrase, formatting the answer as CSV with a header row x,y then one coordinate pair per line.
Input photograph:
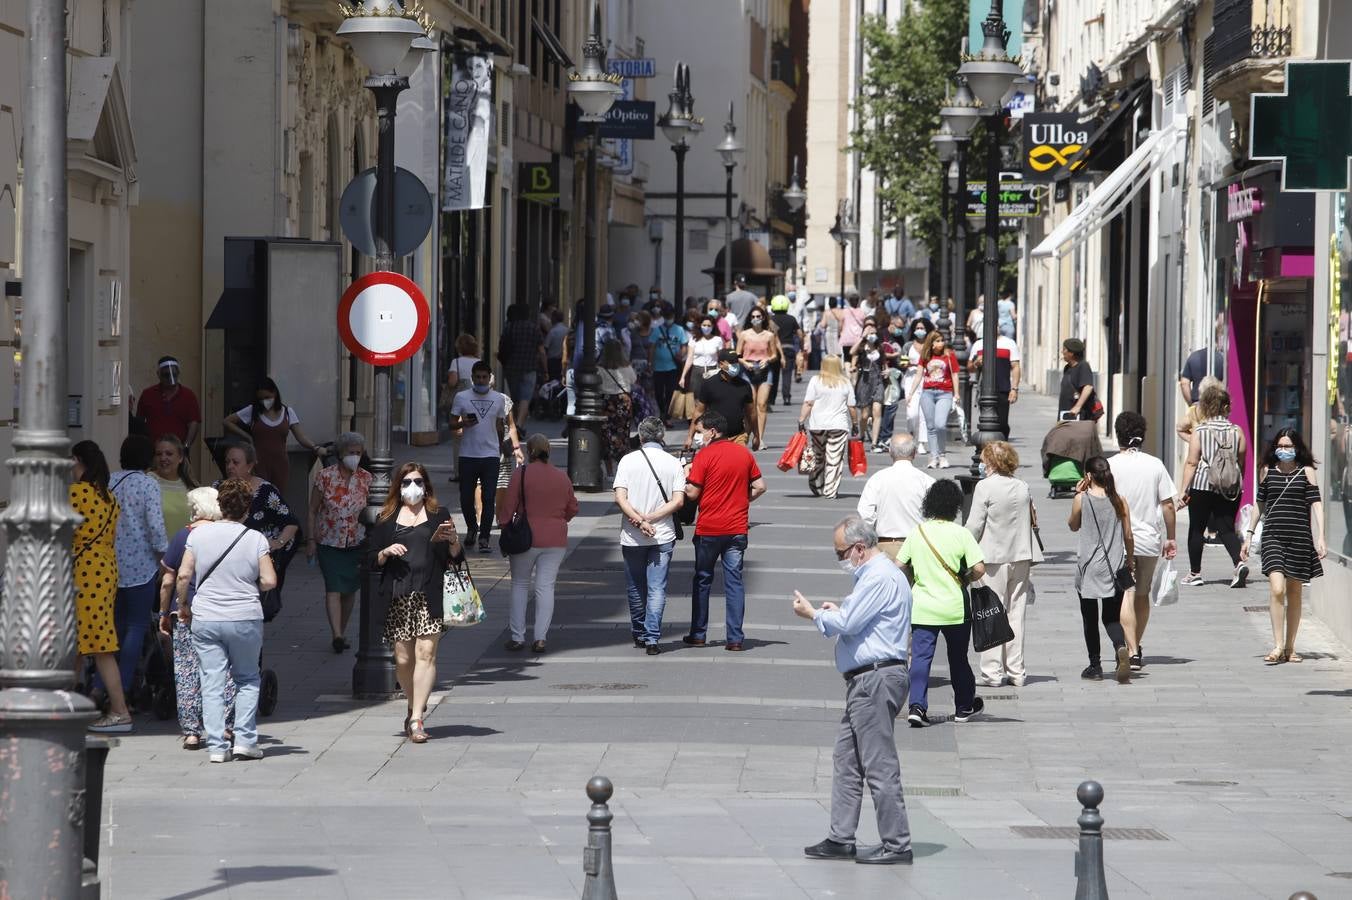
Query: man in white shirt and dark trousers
x,y
649,489
482,415
891,498
872,628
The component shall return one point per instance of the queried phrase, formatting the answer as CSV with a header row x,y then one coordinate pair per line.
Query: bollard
x,y
97,748
596,863
1303,895
1091,881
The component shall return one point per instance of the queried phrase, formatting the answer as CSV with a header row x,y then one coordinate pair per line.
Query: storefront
x,y
1264,246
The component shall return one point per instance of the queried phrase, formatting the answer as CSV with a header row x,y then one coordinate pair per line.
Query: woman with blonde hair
x,y
412,544
828,416
458,378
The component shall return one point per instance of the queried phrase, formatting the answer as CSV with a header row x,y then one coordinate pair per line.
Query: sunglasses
x,y
841,554
408,482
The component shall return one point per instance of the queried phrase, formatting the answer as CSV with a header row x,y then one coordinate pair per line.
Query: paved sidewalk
x,y
1230,775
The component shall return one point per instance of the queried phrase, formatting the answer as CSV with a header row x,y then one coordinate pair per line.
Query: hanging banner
x,y
469,127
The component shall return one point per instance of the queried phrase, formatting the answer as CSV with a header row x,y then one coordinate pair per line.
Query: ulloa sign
x,y
1054,145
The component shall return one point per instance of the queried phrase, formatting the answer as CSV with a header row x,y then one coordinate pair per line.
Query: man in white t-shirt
x,y
480,414
649,489
892,497
1144,483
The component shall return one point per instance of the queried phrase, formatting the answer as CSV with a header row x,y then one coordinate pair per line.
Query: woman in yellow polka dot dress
x,y
95,565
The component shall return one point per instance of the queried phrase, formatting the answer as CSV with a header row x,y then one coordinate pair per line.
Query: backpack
x,y
1223,468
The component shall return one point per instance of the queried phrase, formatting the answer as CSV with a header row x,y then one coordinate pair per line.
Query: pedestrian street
x,y
1223,777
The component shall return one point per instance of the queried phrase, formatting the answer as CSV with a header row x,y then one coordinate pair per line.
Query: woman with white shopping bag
x,y
1144,483
412,545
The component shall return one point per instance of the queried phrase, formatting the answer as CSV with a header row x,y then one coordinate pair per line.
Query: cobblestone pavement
x,y
1228,778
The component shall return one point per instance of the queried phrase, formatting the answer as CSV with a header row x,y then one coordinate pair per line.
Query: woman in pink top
x,y
851,318
545,495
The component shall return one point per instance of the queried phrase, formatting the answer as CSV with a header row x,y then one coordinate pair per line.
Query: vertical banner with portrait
x,y
469,126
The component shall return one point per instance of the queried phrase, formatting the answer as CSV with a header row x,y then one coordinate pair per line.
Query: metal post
x,y
42,720
945,223
584,432
958,224
843,244
599,883
727,231
1091,882
989,423
680,149
373,673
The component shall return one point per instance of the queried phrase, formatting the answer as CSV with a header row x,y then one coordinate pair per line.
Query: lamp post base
x,y
584,452
373,675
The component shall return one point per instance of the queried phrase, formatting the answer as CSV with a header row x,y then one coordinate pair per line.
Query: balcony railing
x,y
1248,29
783,67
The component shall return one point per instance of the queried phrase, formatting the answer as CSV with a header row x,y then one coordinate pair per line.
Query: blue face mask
x,y
1286,454
734,371
981,469
482,388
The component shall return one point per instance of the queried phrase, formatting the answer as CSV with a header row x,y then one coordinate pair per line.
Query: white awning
x,y
1114,192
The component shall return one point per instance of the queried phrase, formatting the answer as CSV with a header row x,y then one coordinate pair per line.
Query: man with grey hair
x,y
872,629
649,488
891,498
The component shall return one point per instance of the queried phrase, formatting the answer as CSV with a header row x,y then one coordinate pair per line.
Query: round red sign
x,y
383,318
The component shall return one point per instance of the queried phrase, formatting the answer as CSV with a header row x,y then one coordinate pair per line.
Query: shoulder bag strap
x,y
612,377
244,529
942,562
1032,519
1102,545
661,490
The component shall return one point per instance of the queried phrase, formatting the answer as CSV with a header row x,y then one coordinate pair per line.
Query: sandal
x,y
537,647
1292,656
514,645
1276,656
416,733
192,742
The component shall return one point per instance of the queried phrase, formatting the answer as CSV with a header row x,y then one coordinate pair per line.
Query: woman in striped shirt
x,y
1209,503
1293,535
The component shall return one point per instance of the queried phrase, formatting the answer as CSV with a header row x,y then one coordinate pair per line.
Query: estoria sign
x,y
1054,146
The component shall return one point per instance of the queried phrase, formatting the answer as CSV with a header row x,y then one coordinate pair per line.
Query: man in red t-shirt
x,y
723,479
169,407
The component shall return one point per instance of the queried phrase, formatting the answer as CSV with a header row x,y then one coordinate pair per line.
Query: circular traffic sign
x,y
412,212
383,318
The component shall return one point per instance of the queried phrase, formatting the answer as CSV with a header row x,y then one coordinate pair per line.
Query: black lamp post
x,y
843,232
391,44
678,123
594,90
731,150
960,114
990,74
945,148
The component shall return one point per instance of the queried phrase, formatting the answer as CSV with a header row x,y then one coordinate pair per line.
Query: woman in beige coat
x,y
1002,520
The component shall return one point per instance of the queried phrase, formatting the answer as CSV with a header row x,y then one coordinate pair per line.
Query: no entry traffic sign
x,y
383,318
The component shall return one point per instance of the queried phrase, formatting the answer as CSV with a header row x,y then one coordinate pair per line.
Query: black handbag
x,y
516,536
1122,577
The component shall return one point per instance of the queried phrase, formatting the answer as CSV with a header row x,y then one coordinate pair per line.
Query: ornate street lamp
x,y
844,232
679,124
794,195
731,150
594,90
945,148
389,41
990,74
960,114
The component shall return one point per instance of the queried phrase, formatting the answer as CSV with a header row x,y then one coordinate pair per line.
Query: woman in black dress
x,y
412,544
1293,535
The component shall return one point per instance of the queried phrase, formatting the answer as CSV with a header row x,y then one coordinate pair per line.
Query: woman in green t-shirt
x,y
939,558
172,474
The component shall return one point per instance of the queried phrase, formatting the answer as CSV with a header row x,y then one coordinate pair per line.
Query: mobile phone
x,y
470,418
1069,417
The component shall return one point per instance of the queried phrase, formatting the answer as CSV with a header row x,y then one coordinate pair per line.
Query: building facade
x,y
104,182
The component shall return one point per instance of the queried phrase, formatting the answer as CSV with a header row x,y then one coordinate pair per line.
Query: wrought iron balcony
x,y
1248,30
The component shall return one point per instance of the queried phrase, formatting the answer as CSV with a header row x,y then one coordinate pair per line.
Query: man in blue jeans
x,y
724,479
649,489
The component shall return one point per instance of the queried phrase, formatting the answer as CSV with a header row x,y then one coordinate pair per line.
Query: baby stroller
x,y
1065,450
550,401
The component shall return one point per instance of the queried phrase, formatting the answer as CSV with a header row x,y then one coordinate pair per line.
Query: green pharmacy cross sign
x,y
1308,128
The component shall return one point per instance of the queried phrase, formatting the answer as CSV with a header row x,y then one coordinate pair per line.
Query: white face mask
x,y
267,402
698,441
412,494
352,460
658,322
847,566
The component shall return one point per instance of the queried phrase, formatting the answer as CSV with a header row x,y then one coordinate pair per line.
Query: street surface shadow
x,y
235,876
1039,679
276,748
919,849
492,673
1346,692
1167,660
459,731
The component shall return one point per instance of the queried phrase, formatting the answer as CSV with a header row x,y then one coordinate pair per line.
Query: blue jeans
x,y
889,424
234,648
520,386
924,641
708,550
936,405
131,618
645,571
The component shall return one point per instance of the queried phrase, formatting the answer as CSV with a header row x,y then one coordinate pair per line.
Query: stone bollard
x,y
1303,895
1091,881
596,863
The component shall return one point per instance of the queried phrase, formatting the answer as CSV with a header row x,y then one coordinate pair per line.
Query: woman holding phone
x,y
412,544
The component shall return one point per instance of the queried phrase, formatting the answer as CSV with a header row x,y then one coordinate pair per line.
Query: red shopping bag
x,y
793,452
858,459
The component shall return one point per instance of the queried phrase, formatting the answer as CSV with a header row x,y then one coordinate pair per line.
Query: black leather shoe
x,y
693,641
654,650
829,849
639,644
881,856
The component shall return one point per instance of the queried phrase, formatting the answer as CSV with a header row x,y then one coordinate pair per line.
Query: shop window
x,y
1336,471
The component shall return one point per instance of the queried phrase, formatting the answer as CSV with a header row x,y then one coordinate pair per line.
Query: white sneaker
x,y
933,463
242,752
943,462
923,450
216,756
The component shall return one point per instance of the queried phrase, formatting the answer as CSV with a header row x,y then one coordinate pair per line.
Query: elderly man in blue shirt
x,y
872,627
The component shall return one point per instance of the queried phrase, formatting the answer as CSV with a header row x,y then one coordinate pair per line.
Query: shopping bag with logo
x,y
460,601
990,622
858,458
1166,586
793,452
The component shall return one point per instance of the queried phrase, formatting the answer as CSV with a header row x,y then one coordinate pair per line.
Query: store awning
x,y
1114,192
